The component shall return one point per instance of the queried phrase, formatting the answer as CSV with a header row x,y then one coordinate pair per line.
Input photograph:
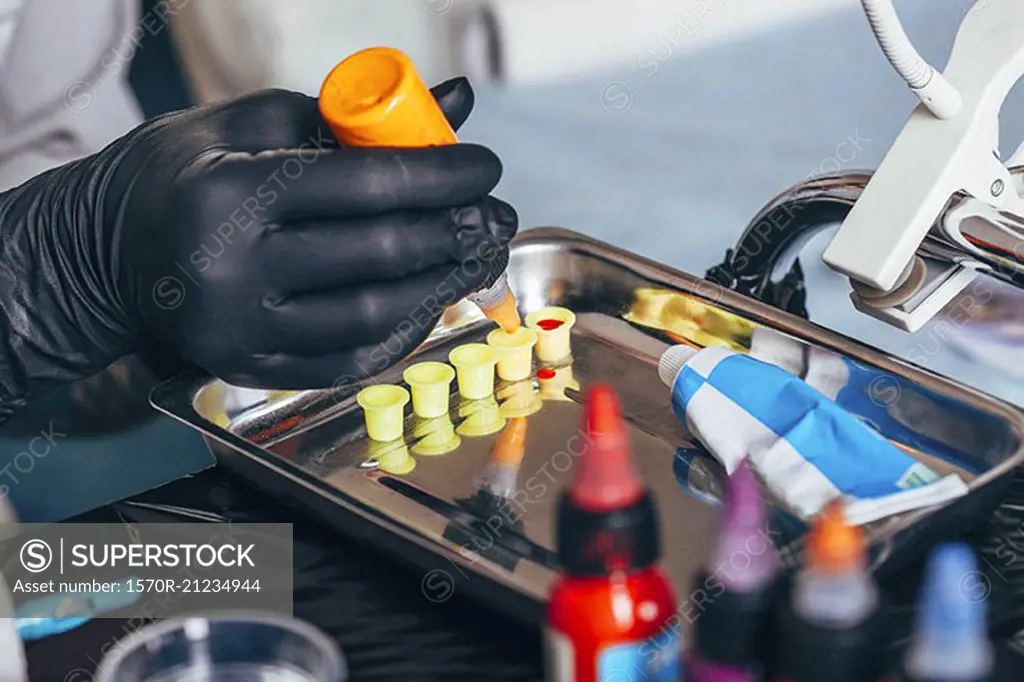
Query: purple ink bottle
x,y
735,588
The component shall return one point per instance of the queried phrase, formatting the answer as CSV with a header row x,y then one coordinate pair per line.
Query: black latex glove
x,y
241,235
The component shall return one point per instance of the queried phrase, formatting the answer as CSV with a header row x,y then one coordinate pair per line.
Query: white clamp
x,y
935,159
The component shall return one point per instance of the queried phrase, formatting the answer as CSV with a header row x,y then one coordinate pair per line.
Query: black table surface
x,y
387,628
373,606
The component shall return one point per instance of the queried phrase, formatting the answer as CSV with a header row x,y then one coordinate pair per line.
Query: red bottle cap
x,y
606,479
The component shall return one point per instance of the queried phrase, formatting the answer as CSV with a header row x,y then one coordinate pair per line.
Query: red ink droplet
x,y
546,373
548,325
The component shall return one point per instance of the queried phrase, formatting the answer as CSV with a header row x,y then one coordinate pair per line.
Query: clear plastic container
x,y
13,667
225,649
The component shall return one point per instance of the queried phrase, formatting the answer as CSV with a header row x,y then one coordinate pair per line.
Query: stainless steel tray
x,y
310,448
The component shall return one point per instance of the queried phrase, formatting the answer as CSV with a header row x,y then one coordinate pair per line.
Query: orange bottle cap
x,y
375,98
834,546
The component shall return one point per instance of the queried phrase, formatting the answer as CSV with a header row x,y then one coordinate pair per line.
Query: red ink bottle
x,y
612,613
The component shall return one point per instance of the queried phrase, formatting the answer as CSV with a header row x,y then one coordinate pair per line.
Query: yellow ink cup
x,y
480,418
430,383
514,351
555,380
553,326
384,409
474,365
435,436
392,458
519,400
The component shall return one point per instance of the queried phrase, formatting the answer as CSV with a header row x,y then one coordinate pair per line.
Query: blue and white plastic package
x,y
808,450
908,415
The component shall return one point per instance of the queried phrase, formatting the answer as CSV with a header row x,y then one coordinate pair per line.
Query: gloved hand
x,y
242,235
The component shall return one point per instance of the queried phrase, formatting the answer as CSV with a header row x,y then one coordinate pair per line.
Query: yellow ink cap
x,y
435,436
480,418
474,365
514,351
499,304
375,98
553,326
506,312
384,409
519,399
392,458
430,383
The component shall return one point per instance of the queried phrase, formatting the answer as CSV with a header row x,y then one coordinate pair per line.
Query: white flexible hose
x,y
929,85
896,45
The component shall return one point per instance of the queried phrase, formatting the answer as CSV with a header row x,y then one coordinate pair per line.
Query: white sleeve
x,y
231,47
63,81
9,10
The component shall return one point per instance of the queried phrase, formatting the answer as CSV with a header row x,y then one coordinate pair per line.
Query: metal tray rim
x,y
174,397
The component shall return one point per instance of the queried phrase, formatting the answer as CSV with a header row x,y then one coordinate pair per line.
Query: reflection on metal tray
x,y
310,447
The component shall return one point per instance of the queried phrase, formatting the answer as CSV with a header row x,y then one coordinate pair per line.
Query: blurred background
x,y
661,126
